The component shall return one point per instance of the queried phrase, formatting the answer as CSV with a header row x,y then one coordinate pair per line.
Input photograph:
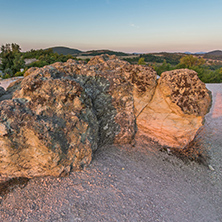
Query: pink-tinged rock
x,y
177,109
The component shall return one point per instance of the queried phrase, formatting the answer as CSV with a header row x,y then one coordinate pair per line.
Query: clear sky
x,y
120,25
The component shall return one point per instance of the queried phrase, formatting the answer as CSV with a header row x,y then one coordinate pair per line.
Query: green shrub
x,y
19,73
141,61
9,72
6,76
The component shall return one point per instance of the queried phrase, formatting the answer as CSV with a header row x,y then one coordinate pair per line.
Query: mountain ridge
x,y
64,50
215,54
76,52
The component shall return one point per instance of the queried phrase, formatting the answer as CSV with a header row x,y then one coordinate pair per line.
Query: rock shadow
x,y
197,150
10,185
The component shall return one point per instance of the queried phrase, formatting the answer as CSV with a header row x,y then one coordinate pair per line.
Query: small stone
x,y
210,167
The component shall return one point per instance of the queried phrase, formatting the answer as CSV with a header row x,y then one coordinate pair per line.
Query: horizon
x,y
126,26
126,52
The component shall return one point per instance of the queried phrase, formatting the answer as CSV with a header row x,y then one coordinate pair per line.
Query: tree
x,y
11,58
18,62
15,48
189,61
162,68
141,61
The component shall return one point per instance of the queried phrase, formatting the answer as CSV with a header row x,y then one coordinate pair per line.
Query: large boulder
x,y
107,85
177,109
48,127
106,81
118,91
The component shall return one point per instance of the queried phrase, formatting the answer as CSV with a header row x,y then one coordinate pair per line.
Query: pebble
x,y
211,168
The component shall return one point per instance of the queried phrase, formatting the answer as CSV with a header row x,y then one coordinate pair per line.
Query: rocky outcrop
x,y
57,116
177,109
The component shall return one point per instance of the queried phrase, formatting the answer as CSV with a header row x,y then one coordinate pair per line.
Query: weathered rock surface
x,y
113,85
177,109
30,71
47,127
144,80
2,91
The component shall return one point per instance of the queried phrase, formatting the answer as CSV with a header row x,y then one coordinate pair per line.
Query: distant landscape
x,y
208,65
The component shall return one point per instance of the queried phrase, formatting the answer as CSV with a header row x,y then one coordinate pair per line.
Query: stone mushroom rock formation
x,y
177,109
57,116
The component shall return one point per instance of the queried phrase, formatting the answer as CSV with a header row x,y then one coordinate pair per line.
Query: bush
x,y
162,68
8,72
6,76
19,73
141,61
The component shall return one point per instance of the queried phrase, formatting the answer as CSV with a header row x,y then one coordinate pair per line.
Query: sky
x,y
140,26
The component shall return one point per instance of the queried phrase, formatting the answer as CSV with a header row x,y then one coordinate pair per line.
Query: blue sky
x,y
121,25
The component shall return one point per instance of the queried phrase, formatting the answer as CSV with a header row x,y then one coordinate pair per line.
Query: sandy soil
x,y
126,183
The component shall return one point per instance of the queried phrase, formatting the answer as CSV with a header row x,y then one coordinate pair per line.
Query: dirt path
x,y
126,183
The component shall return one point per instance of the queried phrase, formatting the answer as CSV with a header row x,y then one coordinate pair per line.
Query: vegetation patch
x,y
208,66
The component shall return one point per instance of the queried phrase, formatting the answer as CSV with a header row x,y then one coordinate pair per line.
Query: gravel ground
x,y
126,183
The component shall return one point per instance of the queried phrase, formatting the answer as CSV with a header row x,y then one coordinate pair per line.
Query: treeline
x,y
207,72
13,60
45,57
99,52
171,58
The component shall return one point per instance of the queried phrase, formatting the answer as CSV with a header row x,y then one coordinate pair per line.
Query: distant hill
x,y
76,52
200,53
195,53
65,50
103,51
188,53
217,54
